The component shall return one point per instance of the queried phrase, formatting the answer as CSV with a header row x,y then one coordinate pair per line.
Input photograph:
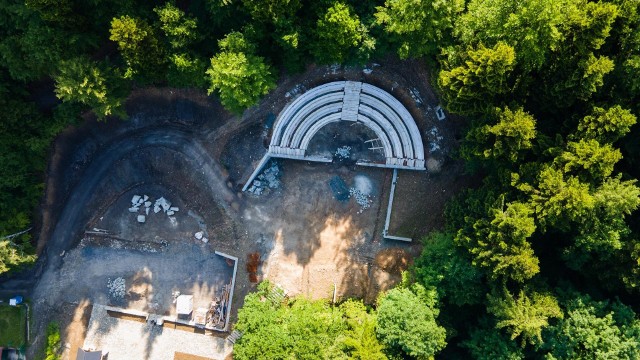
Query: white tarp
x,y
184,304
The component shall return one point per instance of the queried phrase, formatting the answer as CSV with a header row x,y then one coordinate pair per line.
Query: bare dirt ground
x,y
181,145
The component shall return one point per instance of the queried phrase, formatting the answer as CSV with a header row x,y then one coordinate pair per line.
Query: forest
x,y
540,260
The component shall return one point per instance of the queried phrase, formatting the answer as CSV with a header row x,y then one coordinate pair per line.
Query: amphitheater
x,y
396,131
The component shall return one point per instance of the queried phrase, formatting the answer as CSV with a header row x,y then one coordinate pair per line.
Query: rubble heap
x,y
161,204
116,288
269,179
364,200
343,152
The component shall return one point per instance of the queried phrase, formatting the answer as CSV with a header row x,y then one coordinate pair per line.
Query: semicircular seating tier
x,y
349,101
396,131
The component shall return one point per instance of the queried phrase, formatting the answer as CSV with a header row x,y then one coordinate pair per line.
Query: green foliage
x,y
240,78
12,326
594,330
301,329
504,140
578,69
525,316
418,27
560,199
273,11
179,29
588,156
499,244
407,322
52,10
488,343
24,139
53,342
29,48
139,47
470,79
341,36
83,81
443,266
531,27
606,125
185,71
360,341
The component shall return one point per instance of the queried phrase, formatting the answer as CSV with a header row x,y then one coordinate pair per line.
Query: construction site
x,y
157,227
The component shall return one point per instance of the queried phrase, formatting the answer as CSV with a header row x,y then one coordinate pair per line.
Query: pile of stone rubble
x,y
200,235
116,288
269,179
343,152
364,200
161,204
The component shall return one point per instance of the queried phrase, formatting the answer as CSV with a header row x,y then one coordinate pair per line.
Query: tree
x,y
53,342
532,27
503,141
186,71
340,36
578,69
488,343
139,47
274,11
500,244
418,27
83,81
407,322
25,136
525,316
299,329
588,158
30,49
52,10
594,330
605,126
359,341
443,266
560,199
239,77
473,79
179,29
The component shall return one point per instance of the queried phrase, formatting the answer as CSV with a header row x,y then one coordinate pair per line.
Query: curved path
x,y
74,215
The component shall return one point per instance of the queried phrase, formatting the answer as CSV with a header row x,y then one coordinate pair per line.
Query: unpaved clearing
x,y
182,146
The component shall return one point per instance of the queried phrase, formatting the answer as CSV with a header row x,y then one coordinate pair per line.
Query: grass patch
x,y
12,325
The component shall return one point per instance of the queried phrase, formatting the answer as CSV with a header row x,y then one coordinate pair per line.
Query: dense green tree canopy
x,y
239,77
80,80
407,322
594,330
339,34
419,27
524,316
471,79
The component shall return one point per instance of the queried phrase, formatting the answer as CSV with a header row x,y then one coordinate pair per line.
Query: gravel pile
x,y
343,152
269,179
364,200
116,288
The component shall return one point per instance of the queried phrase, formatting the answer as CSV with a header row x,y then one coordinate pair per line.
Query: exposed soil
x,y
183,146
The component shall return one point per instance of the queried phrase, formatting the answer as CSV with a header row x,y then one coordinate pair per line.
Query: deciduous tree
x,y
239,77
407,322
340,36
